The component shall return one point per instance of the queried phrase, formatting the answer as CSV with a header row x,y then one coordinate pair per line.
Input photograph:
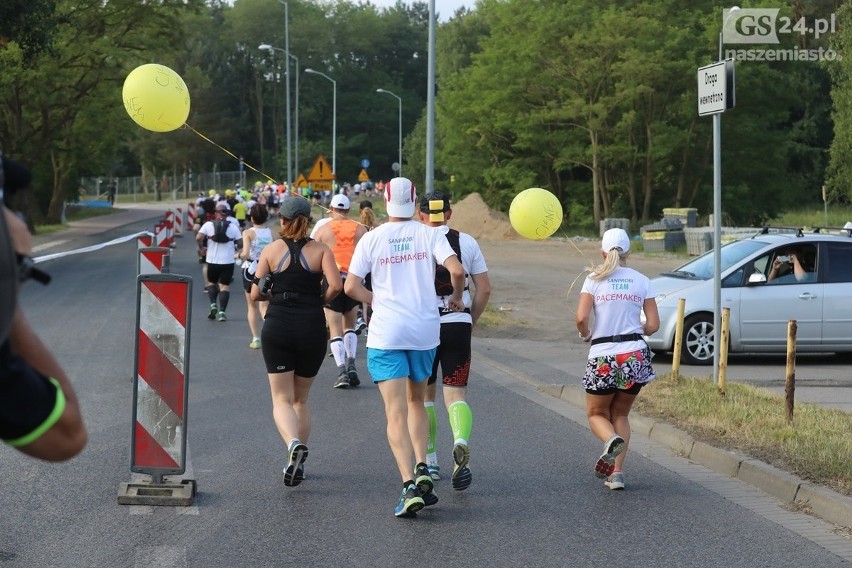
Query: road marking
x,y
160,557
49,244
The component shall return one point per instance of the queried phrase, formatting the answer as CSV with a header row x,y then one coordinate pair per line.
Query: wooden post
x,y
678,339
723,349
790,382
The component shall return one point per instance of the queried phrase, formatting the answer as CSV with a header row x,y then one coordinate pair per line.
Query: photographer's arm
x,y
67,436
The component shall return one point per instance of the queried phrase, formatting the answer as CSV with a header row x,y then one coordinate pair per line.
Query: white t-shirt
x,y
220,253
618,301
401,257
319,224
474,263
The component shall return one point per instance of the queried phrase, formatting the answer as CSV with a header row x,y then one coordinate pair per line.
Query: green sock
x,y
461,421
433,427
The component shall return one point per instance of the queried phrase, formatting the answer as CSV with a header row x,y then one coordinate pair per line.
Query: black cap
x,y
15,175
434,196
295,206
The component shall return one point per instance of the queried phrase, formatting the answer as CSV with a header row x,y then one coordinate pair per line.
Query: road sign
x,y
320,172
363,176
300,181
716,88
365,163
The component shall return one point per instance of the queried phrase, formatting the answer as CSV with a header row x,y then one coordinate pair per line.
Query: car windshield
x,y
732,253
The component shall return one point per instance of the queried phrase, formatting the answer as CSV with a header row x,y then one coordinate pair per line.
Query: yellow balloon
x,y
535,213
156,98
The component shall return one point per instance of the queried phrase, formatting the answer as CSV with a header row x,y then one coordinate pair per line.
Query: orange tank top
x,y
344,241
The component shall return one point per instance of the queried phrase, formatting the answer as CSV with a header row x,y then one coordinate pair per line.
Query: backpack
x,y
220,231
443,282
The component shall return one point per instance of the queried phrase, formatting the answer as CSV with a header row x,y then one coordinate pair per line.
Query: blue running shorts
x,y
386,364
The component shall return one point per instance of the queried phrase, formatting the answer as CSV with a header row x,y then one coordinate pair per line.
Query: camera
x,y
265,284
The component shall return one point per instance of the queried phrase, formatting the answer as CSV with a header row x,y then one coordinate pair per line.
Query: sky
x,y
444,8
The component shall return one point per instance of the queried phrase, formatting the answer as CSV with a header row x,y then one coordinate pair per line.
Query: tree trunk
x,y
648,175
596,205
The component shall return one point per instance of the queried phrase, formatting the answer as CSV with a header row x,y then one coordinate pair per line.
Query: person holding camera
x,y
289,274
39,412
791,262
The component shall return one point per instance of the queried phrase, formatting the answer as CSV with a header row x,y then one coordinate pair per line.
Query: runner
x,y
401,256
454,352
342,234
293,340
221,234
255,240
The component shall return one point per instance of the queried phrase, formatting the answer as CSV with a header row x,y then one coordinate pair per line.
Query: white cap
x,y
340,201
400,197
615,238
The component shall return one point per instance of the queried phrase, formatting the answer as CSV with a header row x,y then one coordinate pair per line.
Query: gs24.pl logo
x,y
762,25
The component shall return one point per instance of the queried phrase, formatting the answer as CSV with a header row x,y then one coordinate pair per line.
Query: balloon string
x,y
292,192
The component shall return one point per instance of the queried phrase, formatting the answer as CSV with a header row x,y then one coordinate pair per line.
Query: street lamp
x,y
270,48
333,120
399,172
296,126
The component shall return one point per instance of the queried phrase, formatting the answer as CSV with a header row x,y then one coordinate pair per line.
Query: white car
x,y
811,283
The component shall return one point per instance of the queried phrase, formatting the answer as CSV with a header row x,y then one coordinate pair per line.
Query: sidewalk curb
x,y
813,499
817,500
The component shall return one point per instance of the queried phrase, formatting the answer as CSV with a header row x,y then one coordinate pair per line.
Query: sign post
x,y
715,96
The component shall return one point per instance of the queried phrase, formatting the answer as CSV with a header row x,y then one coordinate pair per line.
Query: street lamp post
x,y
333,120
397,97
296,126
270,48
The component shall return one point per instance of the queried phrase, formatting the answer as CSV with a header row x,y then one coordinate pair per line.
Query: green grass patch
x,y
836,217
815,446
75,214
492,317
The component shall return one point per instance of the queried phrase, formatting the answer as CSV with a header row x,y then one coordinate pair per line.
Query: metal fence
x,y
149,188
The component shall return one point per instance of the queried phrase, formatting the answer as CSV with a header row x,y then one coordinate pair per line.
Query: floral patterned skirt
x,y
620,371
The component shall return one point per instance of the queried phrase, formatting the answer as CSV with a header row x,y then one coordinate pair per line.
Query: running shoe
x,y
410,501
300,472
615,481
605,465
354,381
213,310
298,452
461,477
221,316
342,381
255,343
434,471
360,325
423,479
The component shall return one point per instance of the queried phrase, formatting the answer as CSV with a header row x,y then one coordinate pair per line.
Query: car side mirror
x,y
757,278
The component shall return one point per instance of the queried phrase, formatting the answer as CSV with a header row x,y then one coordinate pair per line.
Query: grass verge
x,y
816,446
493,317
76,214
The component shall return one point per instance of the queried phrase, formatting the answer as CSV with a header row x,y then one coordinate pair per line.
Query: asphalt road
x,y
534,500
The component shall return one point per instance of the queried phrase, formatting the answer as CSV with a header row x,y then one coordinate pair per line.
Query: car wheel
x,y
697,348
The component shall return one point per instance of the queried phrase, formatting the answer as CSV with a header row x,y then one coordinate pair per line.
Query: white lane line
x,y
160,557
49,244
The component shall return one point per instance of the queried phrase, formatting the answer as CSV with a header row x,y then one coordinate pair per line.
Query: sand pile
x,y
472,216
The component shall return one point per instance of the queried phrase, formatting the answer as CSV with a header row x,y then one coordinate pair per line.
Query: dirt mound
x,y
472,216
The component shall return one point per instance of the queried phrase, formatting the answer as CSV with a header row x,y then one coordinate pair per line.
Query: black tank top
x,y
296,284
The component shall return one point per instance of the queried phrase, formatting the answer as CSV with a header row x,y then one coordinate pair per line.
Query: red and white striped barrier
x,y
161,235
145,240
179,222
169,222
153,260
158,443
190,216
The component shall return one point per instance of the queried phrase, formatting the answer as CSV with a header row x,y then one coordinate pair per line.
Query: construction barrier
x,y
153,260
161,235
169,222
145,240
158,438
179,222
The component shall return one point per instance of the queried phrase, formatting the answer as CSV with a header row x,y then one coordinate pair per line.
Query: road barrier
x,y
153,260
158,438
